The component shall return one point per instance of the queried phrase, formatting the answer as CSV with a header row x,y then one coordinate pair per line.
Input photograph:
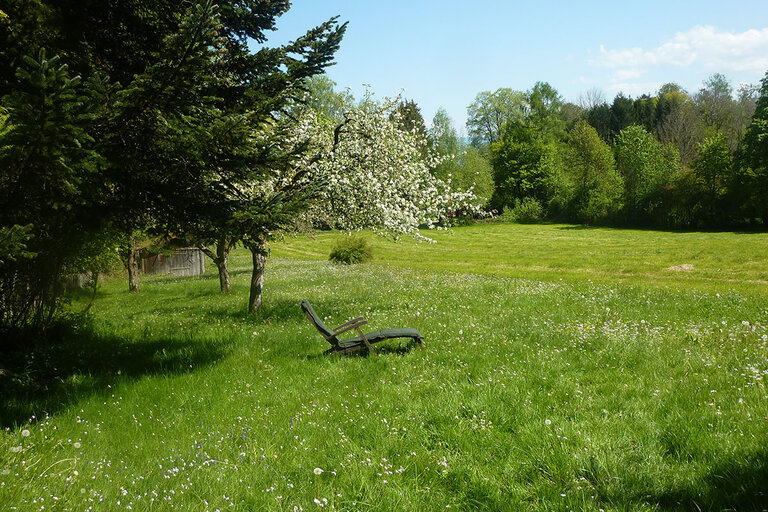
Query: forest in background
x,y
670,160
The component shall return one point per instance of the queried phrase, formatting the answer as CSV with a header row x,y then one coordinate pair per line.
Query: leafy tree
x,y
647,167
713,171
464,167
490,112
325,100
546,106
753,175
747,96
570,114
683,128
442,135
669,97
473,172
597,185
715,101
519,169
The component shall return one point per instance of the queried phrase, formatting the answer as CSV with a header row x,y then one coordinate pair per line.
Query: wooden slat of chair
x,y
367,343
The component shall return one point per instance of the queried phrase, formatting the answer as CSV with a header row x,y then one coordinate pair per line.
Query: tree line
x,y
671,160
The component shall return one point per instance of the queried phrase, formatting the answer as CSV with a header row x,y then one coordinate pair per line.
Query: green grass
x,y
710,261
610,383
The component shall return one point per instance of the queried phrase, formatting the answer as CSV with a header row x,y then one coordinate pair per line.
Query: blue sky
x,y
443,52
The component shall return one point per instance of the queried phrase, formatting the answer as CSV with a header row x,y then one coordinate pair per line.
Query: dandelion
x,y
25,433
547,422
318,471
15,449
77,445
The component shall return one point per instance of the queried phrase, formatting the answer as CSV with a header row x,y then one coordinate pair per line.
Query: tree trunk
x,y
221,259
222,263
259,254
133,270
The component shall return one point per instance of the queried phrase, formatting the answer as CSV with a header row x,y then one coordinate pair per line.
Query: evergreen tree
x,y
599,117
48,187
622,114
173,138
408,118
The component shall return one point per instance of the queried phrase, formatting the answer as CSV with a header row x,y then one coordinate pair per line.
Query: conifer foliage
x,y
160,126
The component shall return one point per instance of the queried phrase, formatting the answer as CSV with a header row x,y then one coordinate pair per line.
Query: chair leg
x,y
367,343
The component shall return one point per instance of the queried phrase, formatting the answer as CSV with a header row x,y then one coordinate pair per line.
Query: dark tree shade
x,y
622,114
599,117
753,182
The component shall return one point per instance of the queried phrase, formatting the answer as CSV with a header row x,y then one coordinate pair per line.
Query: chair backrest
x,y
318,323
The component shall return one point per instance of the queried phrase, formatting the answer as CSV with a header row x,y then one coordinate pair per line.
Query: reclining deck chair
x,y
358,342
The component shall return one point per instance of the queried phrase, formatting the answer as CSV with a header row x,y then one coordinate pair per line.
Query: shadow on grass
x,y
733,485
44,374
734,230
392,348
736,484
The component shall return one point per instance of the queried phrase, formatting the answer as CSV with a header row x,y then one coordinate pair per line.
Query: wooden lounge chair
x,y
365,340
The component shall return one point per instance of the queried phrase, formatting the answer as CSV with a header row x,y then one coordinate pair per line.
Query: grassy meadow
x,y
566,368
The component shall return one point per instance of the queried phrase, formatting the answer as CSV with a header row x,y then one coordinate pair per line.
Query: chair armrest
x,y
352,324
353,321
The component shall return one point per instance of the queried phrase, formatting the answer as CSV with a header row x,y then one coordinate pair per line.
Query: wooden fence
x,y
183,262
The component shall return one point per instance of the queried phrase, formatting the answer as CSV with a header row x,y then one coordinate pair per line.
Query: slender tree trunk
x,y
221,259
133,269
95,279
259,253
129,254
222,263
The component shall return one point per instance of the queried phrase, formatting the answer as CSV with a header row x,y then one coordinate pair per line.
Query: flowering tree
x,y
377,178
363,172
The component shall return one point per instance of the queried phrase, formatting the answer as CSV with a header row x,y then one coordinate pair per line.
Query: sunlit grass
x,y
549,252
581,394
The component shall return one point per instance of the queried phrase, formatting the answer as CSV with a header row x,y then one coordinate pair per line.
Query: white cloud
x,y
703,47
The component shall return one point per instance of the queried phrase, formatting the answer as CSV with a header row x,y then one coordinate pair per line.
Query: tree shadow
x,y
738,484
732,485
713,230
45,373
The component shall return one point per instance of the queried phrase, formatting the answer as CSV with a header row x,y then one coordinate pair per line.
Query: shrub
x,y
351,250
526,211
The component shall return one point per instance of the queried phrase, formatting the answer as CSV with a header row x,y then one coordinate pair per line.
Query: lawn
x,y
564,368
